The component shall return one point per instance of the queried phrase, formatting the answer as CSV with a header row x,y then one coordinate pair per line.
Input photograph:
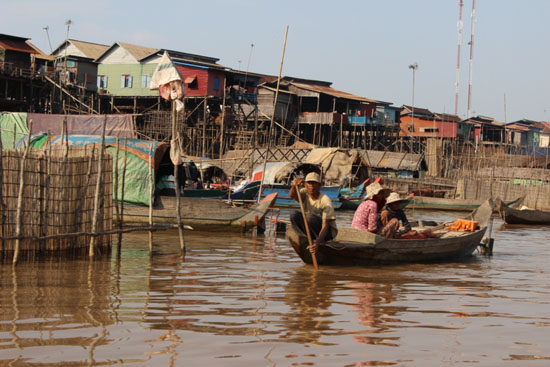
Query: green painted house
x,y
122,71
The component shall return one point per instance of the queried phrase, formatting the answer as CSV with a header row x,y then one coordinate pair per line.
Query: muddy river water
x,y
244,300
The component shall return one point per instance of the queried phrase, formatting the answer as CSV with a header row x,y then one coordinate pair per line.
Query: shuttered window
x,y
102,81
126,81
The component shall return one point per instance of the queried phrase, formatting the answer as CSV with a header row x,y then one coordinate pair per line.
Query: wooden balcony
x,y
322,118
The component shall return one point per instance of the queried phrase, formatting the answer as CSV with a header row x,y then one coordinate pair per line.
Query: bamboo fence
x,y
56,205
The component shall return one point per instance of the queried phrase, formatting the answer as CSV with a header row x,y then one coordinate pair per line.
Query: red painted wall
x,y
446,129
204,83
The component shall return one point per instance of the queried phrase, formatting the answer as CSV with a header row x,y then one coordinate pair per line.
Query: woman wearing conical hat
x,y
366,216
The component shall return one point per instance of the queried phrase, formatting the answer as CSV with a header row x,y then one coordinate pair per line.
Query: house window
x,y
145,81
126,81
216,83
102,81
71,63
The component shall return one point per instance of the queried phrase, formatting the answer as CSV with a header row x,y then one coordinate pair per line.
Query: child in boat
x,y
393,211
366,216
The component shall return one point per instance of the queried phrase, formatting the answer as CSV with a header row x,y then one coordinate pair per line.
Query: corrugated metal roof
x,y
139,52
91,50
393,160
332,92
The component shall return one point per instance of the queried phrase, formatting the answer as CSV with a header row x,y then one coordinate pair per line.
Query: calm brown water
x,y
244,301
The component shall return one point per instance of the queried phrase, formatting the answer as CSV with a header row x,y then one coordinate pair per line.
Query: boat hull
x,y
527,216
203,215
356,247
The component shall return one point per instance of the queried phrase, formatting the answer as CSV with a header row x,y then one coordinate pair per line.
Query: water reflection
x,y
248,301
44,303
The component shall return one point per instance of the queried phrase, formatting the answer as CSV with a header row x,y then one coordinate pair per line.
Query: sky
x,y
363,47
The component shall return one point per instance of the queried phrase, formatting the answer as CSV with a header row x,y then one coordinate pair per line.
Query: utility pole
x,y
414,67
460,5
46,28
473,20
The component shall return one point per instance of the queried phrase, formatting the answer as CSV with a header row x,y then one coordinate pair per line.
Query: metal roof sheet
x,y
332,92
139,52
393,160
91,50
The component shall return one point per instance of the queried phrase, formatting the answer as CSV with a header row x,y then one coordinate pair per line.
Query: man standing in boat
x,y
318,208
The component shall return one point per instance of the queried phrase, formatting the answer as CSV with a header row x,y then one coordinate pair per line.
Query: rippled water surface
x,y
239,300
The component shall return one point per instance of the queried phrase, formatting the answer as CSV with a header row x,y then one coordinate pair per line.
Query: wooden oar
x,y
310,242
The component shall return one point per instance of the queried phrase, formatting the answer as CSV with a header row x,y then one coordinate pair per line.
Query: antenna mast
x,y
473,17
459,25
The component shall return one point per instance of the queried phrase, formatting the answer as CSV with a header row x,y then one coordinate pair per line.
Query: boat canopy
x,y
283,172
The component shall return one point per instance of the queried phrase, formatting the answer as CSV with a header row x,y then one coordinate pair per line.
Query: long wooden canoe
x,y
512,215
357,247
433,203
203,215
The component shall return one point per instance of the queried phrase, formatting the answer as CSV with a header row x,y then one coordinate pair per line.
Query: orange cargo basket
x,y
463,225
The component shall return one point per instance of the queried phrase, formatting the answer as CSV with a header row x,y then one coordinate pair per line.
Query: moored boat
x,y
434,203
357,247
285,201
511,215
203,215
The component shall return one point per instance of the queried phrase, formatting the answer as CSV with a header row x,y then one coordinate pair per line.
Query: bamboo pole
x,y
273,115
222,127
124,165
47,193
117,211
19,213
97,187
175,138
310,242
151,193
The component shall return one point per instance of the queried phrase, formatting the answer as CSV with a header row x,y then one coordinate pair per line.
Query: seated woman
x,y
393,213
366,216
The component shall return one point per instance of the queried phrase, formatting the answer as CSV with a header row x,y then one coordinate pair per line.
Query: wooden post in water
x,y
151,198
117,211
175,138
122,191
97,188
19,213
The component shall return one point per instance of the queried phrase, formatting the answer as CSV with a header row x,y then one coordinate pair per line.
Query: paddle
x,y
310,242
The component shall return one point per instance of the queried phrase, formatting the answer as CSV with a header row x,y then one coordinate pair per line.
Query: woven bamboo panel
x,y
58,198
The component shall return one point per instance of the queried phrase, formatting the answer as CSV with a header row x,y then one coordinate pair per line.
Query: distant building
x,y
487,129
75,63
425,123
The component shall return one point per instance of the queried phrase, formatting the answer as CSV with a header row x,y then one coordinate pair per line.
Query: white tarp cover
x,y
335,163
271,170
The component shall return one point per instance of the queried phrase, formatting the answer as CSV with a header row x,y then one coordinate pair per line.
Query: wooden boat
x,y
512,215
285,201
357,247
246,193
203,215
433,203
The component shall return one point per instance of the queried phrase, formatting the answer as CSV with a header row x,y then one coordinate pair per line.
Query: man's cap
x,y
313,176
